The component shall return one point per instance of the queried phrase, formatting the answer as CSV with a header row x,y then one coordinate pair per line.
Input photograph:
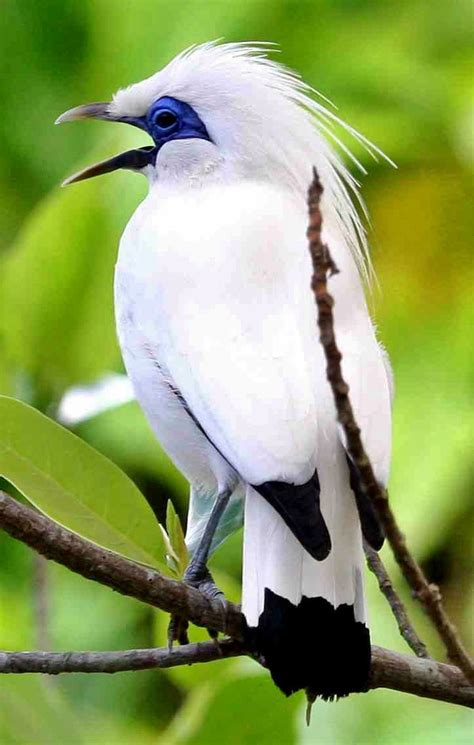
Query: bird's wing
x,y
200,505
237,331
366,369
368,373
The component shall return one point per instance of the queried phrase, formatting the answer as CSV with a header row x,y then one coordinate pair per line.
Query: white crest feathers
x,y
264,118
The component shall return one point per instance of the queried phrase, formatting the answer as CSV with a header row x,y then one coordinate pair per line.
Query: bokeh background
x,y
400,72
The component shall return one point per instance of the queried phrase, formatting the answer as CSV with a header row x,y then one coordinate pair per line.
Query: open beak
x,y
132,160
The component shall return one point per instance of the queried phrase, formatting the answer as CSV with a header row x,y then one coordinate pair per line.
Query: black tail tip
x,y
313,646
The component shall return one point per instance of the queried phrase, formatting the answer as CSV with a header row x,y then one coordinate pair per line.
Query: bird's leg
x,y
197,574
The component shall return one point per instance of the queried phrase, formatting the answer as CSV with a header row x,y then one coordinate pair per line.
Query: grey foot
x,y
200,578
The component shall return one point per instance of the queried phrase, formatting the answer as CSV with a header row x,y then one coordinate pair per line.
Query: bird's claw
x,y
201,579
177,631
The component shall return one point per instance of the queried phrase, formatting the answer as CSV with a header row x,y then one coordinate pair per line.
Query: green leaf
x,y
32,712
123,434
171,558
176,538
75,485
56,297
209,714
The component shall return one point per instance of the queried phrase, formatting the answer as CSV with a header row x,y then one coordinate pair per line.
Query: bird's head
x,y
258,116
228,104
166,119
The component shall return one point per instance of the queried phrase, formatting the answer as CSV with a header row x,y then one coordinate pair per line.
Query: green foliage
x,y
402,74
211,711
75,485
61,331
122,434
177,552
33,712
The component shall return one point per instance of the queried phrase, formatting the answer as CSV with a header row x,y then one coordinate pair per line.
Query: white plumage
x,y
213,302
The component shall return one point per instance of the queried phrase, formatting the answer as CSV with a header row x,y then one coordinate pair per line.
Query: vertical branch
x,y
428,594
376,566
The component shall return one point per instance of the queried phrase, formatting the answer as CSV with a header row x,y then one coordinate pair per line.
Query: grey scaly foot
x,y
200,578
197,574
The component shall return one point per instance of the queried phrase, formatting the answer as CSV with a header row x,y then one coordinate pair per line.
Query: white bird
x,y
217,326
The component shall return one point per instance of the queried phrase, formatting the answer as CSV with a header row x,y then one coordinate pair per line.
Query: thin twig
x,y
428,594
389,669
376,566
322,263
54,663
399,672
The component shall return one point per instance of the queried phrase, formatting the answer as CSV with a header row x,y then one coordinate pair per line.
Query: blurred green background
x,y
400,72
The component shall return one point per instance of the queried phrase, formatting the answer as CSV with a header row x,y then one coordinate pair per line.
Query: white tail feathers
x,y
274,558
289,598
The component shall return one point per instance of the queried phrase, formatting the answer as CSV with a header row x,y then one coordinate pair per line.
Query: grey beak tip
x,y
99,110
69,180
64,117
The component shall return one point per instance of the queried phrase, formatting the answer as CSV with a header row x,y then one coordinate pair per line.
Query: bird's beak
x,y
88,111
132,160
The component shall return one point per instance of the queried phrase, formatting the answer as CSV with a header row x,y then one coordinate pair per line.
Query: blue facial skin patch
x,y
169,119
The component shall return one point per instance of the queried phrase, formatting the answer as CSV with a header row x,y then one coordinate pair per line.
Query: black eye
x,y
165,119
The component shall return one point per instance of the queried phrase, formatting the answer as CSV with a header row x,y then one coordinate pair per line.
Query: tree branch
x,y
427,593
54,663
389,670
376,566
399,672
421,677
122,575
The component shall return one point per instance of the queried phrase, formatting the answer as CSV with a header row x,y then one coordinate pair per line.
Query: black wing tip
x,y
376,540
319,549
298,506
372,530
313,646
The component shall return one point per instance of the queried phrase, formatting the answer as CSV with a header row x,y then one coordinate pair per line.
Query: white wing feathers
x,y
233,329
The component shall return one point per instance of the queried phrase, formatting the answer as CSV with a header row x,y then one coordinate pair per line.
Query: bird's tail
x,y
307,618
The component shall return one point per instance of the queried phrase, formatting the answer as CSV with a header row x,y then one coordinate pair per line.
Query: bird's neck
x,y
187,164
